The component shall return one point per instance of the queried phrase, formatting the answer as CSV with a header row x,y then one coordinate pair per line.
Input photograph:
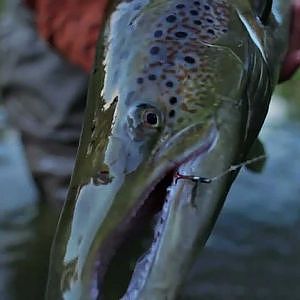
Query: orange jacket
x,y
71,26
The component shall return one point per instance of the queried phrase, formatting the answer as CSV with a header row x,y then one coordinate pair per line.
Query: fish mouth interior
x,y
138,239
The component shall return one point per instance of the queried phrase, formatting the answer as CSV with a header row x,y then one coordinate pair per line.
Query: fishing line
x,y
233,168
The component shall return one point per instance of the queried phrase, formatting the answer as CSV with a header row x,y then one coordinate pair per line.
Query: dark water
x,y
26,226
254,252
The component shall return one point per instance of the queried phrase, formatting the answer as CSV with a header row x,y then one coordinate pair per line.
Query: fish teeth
x,y
143,265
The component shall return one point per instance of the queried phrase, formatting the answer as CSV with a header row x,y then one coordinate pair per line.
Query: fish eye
x,y
150,118
143,120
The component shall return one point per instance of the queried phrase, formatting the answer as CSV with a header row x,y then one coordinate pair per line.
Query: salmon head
x,y
179,91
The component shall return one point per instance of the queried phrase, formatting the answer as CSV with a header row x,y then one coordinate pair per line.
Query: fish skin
x,y
222,80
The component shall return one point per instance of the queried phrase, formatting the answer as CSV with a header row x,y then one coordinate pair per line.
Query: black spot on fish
x,y
189,59
180,6
158,33
172,113
173,100
181,34
154,50
171,19
152,77
206,7
194,13
198,22
169,84
140,80
211,31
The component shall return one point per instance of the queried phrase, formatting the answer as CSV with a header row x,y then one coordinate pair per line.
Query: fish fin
x,y
257,151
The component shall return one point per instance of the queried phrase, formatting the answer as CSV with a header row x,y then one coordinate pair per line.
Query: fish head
x,y
166,74
179,91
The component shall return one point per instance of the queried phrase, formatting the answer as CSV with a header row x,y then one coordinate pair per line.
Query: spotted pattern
x,y
176,59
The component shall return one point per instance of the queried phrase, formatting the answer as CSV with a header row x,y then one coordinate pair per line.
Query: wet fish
x,y
179,87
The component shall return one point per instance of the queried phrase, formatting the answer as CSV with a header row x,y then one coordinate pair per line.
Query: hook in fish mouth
x,y
193,178
151,207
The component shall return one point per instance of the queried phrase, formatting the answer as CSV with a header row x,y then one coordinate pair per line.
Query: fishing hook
x,y
179,176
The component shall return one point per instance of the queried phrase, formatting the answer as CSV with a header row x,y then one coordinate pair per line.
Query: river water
x,y
253,253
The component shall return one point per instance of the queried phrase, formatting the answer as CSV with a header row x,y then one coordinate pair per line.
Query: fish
x,y
177,97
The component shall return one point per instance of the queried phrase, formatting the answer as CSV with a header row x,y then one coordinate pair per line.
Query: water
x,y
254,252
26,226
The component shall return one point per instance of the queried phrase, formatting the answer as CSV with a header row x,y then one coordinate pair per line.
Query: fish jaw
x,y
188,216
105,213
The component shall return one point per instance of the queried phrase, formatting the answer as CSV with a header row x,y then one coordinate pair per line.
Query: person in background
x,y
47,48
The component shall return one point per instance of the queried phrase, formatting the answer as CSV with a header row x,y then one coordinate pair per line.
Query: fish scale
x,y
177,62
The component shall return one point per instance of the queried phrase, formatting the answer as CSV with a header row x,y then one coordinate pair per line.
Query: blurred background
x,y
253,253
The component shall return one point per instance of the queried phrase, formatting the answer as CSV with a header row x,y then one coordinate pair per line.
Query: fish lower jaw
x,y
145,264
156,206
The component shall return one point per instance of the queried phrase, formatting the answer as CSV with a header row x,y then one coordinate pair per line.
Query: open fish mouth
x,y
154,209
167,189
